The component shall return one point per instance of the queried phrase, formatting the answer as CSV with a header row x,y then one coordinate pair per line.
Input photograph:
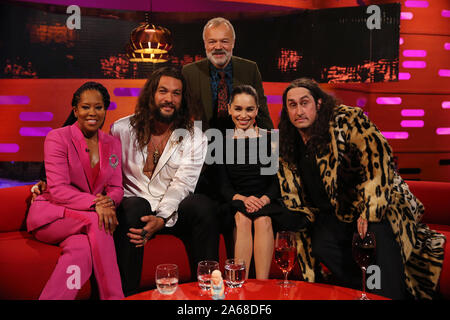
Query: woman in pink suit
x,y
78,209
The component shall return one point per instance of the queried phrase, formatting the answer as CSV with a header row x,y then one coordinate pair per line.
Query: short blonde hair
x,y
214,22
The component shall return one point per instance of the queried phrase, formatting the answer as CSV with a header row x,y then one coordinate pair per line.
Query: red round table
x,y
261,290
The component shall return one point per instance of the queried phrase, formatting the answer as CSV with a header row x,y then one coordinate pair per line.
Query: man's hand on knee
x,y
141,236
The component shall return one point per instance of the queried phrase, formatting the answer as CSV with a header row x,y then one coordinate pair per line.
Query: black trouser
x,y
332,245
197,227
208,186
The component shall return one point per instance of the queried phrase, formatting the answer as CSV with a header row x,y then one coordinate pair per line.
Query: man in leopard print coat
x,y
336,168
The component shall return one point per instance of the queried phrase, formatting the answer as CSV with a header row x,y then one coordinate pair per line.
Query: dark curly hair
x,y
145,115
319,131
91,85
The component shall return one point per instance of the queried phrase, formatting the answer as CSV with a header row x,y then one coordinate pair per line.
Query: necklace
x,y
156,153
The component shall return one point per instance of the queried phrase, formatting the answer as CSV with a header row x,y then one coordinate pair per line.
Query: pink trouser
x,y
84,246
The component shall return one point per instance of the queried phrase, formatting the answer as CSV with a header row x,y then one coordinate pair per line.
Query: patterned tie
x,y
222,96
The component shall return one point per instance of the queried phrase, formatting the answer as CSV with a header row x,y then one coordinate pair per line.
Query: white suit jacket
x,y
175,175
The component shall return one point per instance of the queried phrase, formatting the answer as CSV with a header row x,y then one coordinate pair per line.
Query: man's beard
x,y
166,118
217,61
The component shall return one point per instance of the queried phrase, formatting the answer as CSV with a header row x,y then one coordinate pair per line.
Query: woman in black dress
x,y
248,194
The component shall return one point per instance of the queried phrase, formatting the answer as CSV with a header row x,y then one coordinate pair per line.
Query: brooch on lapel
x,y
113,161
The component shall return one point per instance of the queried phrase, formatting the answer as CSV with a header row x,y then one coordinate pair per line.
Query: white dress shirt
x,y
175,175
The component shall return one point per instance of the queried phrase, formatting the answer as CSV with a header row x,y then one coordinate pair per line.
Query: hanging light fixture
x,y
149,43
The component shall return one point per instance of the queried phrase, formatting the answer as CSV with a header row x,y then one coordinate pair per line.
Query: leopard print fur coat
x,y
359,176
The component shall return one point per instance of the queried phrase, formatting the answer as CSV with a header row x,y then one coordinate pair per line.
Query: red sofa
x,y
26,264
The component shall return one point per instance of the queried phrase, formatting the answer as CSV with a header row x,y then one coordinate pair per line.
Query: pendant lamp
x,y
149,43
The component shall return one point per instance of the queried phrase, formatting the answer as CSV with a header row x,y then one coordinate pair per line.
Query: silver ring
x,y
110,221
144,233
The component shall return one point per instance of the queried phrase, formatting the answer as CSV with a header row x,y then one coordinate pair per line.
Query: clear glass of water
x,y
166,277
204,270
234,273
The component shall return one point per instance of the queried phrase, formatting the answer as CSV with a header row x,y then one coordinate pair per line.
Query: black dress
x,y
241,174
245,178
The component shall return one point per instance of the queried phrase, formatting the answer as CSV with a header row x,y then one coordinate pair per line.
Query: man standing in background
x,y
211,80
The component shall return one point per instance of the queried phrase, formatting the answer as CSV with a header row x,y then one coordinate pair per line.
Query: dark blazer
x,y
244,72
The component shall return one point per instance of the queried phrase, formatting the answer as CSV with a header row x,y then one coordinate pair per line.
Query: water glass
x,y
166,277
204,270
234,273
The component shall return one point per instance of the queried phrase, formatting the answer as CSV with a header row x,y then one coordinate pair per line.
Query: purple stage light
x,y
444,72
415,53
416,4
412,123
275,99
413,112
406,15
9,148
414,64
14,100
443,131
361,102
389,100
445,104
36,116
127,92
395,134
112,106
404,76
34,131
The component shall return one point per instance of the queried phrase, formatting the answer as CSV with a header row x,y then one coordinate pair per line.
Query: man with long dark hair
x,y
337,170
163,153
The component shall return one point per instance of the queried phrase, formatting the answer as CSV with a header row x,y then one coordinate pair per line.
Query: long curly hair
x,y
145,116
319,131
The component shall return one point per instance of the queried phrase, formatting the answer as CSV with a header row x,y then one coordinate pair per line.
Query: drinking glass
x,y
204,270
166,277
363,252
234,273
285,253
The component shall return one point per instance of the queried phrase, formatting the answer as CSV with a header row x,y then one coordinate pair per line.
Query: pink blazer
x,y
69,181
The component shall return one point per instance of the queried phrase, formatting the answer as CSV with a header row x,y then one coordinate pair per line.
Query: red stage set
x,y
413,113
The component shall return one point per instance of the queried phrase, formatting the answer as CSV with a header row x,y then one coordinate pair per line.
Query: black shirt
x,y
245,178
311,181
